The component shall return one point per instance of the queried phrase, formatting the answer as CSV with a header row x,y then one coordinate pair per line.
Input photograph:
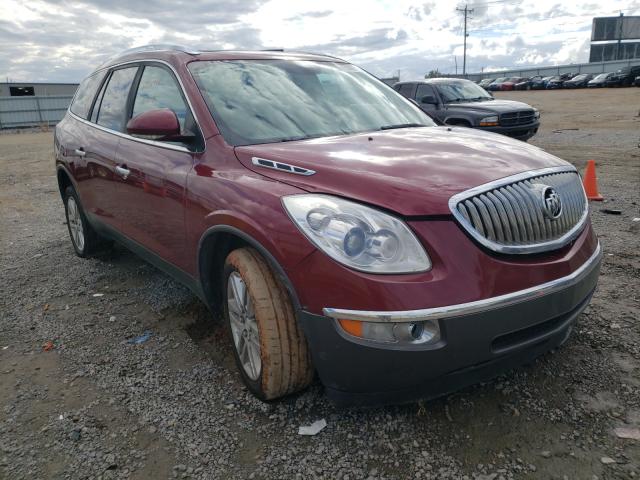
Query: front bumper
x,y
520,132
478,341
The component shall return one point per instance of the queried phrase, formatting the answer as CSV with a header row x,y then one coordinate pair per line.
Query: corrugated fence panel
x,y
32,111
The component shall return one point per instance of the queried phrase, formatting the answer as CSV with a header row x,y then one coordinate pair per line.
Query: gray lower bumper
x,y
474,347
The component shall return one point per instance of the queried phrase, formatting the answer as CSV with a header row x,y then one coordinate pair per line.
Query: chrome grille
x,y
522,117
511,216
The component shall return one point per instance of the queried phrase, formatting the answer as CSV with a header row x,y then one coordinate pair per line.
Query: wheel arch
x,y
459,121
65,180
214,246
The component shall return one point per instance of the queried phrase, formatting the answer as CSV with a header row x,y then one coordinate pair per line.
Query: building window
x,y
21,91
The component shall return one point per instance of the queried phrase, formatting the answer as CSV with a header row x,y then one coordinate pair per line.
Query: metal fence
x,y
32,111
594,67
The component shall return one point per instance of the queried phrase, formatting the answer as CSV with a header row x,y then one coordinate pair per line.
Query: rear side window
x,y
159,89
406,90
84,96
424,91
113,107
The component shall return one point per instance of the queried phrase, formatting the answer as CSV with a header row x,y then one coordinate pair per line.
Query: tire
x,y
85,240
267,327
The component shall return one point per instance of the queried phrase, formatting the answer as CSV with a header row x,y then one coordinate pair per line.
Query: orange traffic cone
x,y
590,182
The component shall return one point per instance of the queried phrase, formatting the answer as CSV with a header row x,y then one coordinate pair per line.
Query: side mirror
x,y
429,99
155,124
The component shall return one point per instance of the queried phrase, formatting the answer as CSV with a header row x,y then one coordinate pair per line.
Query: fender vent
x,y
283,167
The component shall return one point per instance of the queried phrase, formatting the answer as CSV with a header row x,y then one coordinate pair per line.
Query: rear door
x,y
88,152
100,134
151,197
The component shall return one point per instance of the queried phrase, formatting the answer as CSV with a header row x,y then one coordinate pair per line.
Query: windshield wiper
x,y
402,125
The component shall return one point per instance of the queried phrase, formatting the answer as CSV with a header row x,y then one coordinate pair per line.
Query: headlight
x,y
536,113
357,236
491,121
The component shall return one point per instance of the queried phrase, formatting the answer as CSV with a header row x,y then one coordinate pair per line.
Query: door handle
x,y
80,152
123,172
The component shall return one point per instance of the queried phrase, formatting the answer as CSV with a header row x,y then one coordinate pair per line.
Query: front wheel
x,y
269,347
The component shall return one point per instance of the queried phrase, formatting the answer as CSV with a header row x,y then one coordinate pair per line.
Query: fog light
x,y
408,333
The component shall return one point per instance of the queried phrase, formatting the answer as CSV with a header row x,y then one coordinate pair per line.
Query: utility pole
x,y
618,52
466,11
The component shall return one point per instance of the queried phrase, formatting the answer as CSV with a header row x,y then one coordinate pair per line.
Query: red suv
x,y
336,228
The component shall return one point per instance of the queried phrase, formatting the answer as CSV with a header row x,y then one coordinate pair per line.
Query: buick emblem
x,y
549,200
551,203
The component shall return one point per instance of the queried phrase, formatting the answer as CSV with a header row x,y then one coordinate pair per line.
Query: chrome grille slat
x,y
512,216
504,220
513,223
523,212
537,233
484,213
522,228
495,220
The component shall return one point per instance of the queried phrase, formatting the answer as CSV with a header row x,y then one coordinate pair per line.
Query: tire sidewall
x,y
255,386
71,193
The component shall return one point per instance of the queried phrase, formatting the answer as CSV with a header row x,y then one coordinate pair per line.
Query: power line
x,y
466,11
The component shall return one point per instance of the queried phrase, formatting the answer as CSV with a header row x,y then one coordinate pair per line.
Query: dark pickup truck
x,y
455,101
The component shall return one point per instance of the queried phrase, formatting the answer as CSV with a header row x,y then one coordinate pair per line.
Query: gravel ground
x,y
92,405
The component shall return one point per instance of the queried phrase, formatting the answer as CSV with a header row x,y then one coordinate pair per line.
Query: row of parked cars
x,y
624,77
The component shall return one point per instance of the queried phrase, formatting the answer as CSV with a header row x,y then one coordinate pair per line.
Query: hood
x,y
412,171
493,106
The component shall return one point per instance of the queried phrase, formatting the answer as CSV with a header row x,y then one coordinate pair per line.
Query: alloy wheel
x,y
75,223
244,327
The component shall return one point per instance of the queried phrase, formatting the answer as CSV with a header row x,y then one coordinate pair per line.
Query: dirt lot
x,y
95,406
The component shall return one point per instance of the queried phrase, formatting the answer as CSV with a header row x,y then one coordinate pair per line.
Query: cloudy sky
x,y
51,40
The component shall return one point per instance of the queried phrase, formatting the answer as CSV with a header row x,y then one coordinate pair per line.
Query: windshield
x,y
602,76
459,90
499,80
266,101
579,77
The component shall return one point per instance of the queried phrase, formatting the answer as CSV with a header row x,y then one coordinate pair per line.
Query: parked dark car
x,y
637,81
579,81
599,80
527,83
336,228
540,83
485,82
461,102
623,77
496,84
558,81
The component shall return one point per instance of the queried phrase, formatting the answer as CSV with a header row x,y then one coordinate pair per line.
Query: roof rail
x,y
157,47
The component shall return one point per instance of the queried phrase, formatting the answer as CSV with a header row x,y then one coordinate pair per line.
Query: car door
x,y
88,151
151,194
102,143
429,102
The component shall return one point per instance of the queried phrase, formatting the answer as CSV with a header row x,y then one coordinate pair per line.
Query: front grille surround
x,y
505,217
521,117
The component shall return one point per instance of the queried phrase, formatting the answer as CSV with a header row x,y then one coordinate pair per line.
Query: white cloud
x,y
43,40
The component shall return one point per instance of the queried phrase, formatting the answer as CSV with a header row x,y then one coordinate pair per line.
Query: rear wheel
x,y
269,347
84,238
